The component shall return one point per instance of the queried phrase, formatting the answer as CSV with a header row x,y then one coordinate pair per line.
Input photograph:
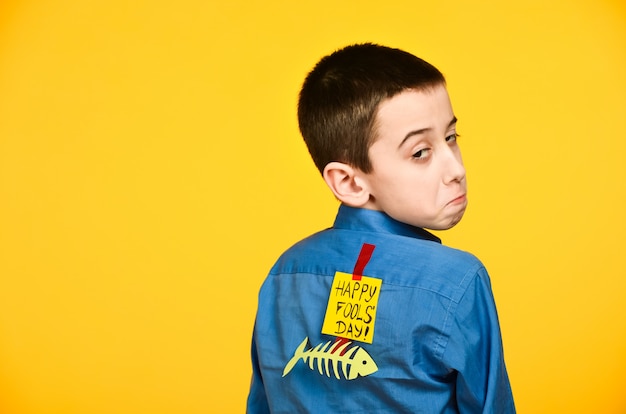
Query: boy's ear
x,y
346,183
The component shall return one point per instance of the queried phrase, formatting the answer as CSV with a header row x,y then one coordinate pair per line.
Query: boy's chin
x,y
446,225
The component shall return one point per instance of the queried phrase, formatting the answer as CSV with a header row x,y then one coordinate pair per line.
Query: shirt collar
x,y
350,218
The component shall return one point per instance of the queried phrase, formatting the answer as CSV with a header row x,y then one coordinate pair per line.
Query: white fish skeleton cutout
x,y
354,361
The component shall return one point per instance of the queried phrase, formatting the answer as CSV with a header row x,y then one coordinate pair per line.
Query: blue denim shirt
x,y
437,346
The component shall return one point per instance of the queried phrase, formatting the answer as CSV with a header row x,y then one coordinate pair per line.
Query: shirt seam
x,y
449,297
444,337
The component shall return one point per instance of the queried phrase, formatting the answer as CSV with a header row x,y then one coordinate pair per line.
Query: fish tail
x,y
296,356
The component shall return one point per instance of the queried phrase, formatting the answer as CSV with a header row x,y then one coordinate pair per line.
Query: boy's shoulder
x,y
397,259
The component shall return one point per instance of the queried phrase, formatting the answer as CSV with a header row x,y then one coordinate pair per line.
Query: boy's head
x,y
380,127
341,95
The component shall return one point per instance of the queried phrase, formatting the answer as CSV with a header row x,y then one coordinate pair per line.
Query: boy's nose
x,y
453,167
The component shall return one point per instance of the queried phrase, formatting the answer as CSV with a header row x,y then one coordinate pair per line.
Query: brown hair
x,y
341,95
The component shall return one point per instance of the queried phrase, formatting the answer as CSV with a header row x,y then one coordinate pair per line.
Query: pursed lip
x,y
460,199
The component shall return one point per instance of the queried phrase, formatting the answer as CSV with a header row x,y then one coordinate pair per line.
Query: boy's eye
x,y
421,154
452,137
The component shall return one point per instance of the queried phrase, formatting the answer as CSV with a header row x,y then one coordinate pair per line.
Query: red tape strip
x,y
361,262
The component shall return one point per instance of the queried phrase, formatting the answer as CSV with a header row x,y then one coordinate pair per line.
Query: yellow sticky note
x,y
352,306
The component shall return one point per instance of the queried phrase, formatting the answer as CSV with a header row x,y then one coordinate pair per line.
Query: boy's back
x,y
436,344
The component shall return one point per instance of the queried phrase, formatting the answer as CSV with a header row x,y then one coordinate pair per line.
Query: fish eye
x,y
364,362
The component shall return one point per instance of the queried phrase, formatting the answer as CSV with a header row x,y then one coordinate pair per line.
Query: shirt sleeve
x,y
475,353
257,399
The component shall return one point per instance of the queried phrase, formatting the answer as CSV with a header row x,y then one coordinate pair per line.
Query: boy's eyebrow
x,y
421,131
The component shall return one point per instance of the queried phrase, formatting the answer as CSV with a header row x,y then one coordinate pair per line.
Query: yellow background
x,y
151,171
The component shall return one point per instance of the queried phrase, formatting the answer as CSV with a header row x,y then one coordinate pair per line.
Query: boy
x,y
374,315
